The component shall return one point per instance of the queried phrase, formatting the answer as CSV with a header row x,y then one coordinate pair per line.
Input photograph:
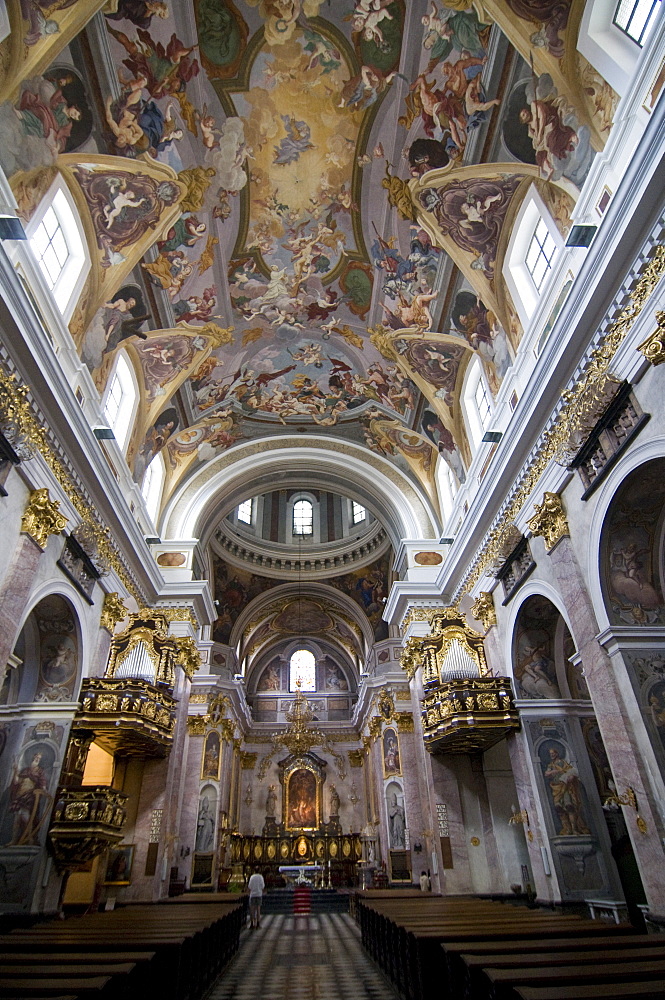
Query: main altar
x,y
297,835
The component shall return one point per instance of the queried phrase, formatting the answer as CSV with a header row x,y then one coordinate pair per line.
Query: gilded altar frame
x,y
310,765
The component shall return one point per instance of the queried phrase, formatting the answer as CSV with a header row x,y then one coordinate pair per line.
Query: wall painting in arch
x,y
534,662
629,551
647,672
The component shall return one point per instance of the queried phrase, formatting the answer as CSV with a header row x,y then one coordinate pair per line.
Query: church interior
x,y
332,479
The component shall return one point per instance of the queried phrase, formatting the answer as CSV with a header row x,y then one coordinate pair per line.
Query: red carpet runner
x,y
302,900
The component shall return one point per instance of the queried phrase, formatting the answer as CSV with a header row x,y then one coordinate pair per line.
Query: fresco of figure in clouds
x,y
451,30
562,146
51,116
165,70
139,12
482,330
120,319
157,436
550,17
444,441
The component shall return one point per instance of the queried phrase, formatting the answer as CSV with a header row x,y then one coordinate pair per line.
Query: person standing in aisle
x,y
255,886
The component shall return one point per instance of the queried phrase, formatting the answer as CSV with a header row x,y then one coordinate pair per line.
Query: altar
x,y
301,874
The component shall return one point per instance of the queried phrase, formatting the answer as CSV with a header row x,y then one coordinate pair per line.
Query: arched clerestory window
x,y
302,671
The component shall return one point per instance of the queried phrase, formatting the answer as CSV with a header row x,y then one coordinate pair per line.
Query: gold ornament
x,y
113,611
189,656
248,760
356,758
653,348
399,195
411,656
42,517
483,610
573,412
17,413
405,722
550,520
196,725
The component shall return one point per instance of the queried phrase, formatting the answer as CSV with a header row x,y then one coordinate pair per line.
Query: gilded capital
x,y
42,517
653,348
188,655
248,760
113,611
411,656
356,758
482,609
405,722
196,725
550,520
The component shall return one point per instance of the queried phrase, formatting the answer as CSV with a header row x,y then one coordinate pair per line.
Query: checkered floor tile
x,y
315,957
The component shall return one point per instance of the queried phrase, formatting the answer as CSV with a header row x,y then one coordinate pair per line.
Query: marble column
x,y
14,595
609,698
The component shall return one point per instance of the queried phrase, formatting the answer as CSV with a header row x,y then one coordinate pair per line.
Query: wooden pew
x,y
502,982
188,945
459,953
405,935
609,991
475,965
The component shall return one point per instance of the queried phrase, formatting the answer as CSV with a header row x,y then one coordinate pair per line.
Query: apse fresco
x,y
327,215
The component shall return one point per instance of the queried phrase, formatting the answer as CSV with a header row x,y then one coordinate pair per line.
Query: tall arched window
x,y
529,260
153,482
477,402
303,517
302,668
57,241
120,401
447,484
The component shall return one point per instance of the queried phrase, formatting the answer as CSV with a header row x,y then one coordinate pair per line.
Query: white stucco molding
x,y
330,463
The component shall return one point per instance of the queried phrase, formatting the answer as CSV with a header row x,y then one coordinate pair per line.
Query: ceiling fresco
x,y
298,210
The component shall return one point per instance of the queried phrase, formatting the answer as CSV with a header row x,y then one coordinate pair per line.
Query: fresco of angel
x,y
170,270
196,308
449,31
367,18
297,140
167,71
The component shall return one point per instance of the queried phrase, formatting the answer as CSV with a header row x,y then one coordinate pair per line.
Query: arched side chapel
x,y
447,352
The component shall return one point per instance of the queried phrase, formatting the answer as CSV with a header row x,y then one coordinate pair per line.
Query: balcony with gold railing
x,y
468,715
86,821
128,715
464,708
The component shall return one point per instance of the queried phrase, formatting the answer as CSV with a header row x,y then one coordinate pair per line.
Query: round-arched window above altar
x,y
302,671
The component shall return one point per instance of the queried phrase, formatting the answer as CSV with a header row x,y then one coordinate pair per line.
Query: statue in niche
x,y
205,827
334,801
396,817
271,802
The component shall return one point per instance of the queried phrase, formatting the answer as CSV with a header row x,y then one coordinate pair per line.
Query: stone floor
x,y
315,957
